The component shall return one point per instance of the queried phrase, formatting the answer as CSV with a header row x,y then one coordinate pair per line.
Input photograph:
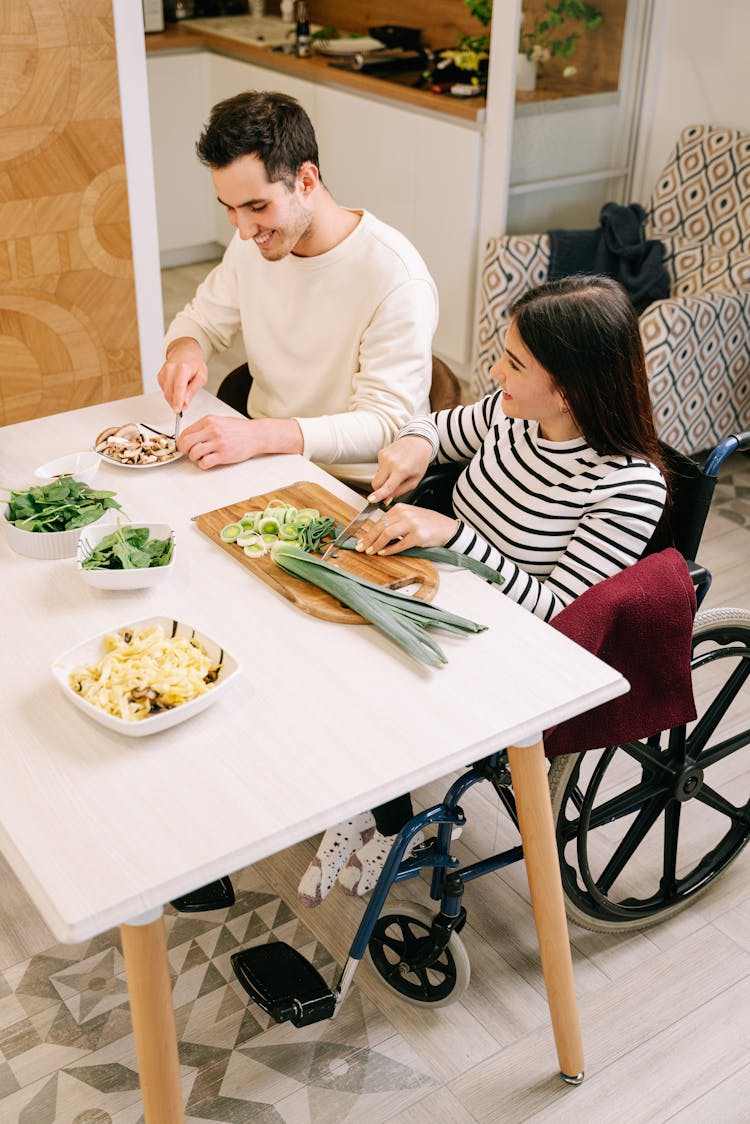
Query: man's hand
x,y
401,466
218,440
405,526
183,374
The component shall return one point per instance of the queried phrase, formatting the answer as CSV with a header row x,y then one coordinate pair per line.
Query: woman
x,y
563,487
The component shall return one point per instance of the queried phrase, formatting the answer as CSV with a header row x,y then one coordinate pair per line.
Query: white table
x,y
103,830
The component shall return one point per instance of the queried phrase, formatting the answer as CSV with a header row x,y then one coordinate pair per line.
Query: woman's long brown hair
x,y
584,331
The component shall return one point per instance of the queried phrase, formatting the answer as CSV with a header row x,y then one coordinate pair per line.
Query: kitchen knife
x,y
353,526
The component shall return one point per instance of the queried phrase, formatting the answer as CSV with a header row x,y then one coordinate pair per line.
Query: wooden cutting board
x,y
308,597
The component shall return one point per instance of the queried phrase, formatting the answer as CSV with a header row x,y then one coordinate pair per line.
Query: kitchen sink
x,y
261,31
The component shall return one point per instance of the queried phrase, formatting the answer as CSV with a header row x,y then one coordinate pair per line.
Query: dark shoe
x,y
216,895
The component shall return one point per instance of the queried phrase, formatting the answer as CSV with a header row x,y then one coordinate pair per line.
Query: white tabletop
x,y
324,719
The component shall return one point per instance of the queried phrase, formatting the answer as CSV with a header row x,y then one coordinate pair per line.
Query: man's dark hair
x,y
271,126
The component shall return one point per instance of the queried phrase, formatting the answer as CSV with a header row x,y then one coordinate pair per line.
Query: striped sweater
x,y
552,517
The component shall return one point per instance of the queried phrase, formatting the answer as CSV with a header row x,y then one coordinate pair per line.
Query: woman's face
x,y
528,390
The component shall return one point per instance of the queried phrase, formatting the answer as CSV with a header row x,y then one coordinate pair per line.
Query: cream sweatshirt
x,y
341,341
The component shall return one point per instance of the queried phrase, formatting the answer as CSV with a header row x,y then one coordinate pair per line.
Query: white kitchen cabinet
x,y
178,89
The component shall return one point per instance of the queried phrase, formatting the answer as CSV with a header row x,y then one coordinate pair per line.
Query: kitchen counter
x,y
316,68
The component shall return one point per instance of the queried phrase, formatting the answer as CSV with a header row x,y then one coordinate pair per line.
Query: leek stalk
x,y
403,619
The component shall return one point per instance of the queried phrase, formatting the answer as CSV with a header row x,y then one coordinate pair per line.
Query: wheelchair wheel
x,y
396,937
643,828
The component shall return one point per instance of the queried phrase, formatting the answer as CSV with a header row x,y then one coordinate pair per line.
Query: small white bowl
x,y
44,544
141,578
91,651
81,466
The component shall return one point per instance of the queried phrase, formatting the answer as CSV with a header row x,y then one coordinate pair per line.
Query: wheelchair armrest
x,y
701,578
435,489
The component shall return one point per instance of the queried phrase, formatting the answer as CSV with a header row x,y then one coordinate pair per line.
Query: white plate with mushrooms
x,y
136,446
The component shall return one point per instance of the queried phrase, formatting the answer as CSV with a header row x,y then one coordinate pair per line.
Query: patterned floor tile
x,y
66,1046
369,1086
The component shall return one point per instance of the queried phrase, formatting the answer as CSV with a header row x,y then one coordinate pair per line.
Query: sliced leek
x,y
231,532
281,521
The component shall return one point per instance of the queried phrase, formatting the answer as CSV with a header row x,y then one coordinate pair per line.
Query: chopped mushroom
x,y
151,696
129,445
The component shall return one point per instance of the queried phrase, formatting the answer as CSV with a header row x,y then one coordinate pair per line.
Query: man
x,y
337,310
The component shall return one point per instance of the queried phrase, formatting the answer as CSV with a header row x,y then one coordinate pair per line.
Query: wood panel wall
x,y
68,326
442,21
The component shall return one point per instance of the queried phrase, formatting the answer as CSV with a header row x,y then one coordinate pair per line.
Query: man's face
x,y
276,219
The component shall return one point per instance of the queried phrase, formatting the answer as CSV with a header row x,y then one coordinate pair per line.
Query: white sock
x,y
366,864
336,848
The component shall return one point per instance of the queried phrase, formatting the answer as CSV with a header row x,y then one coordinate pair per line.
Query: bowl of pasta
x,y
144,677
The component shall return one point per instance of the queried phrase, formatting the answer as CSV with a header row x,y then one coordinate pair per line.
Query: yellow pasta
x,y
144,671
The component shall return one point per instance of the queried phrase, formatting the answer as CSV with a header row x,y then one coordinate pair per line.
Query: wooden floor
x,y
665,1012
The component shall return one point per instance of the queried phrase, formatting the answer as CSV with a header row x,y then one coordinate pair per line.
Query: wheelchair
x,y
606,803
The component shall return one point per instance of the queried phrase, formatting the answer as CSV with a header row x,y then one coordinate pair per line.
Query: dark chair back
x,y
445,390
683,521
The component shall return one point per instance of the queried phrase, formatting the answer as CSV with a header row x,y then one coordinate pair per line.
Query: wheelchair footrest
x,y
284,984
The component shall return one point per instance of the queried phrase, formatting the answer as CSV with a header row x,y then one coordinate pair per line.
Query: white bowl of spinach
x,y
45,521
125,555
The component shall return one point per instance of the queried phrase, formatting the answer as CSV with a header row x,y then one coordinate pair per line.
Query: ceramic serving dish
x,y
91,651
136,578
81,466
44,544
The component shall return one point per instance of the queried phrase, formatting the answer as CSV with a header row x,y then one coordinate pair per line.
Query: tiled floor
x,y
664,1012
67,1050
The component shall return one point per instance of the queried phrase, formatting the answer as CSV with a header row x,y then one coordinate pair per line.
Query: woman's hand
x,y
405,526
401,466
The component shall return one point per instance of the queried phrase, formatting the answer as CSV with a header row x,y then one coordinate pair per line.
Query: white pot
x,y
525,73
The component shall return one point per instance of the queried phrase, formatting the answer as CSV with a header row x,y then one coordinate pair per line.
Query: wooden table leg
x,y
144,947
530,787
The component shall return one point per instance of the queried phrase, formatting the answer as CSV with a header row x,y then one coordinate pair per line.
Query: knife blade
x,y
352,526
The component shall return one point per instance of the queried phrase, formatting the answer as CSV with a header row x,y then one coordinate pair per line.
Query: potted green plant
x,y
547,34
543,36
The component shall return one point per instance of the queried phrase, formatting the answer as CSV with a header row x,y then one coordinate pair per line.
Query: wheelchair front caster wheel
x,y
399,937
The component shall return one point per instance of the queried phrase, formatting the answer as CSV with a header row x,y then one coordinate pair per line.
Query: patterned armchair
x,y
697,341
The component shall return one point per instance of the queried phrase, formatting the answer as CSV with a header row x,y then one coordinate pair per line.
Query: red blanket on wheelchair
x,y
640,622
